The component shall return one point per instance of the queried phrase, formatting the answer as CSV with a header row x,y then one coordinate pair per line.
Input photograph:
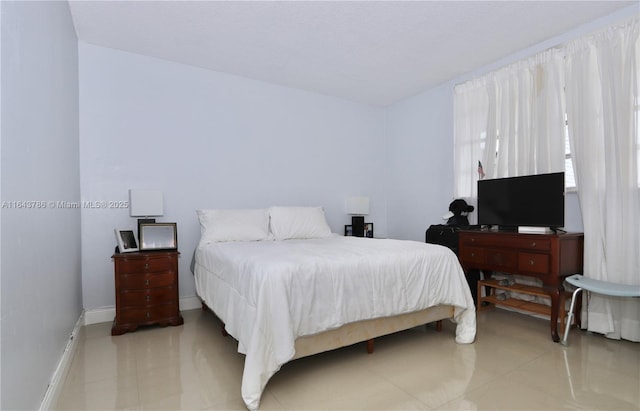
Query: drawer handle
x,y
533,244
531,262
148,314
148,298
146,282
473,254
146,266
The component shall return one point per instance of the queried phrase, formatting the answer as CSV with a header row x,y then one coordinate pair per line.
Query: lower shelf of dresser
x,y
517,304
529,306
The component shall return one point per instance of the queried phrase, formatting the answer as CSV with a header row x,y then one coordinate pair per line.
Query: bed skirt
x,y
367,330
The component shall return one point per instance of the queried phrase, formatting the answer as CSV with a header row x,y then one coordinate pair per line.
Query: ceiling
x,y
370,52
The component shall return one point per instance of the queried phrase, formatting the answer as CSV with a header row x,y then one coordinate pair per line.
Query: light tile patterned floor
x,y
513,365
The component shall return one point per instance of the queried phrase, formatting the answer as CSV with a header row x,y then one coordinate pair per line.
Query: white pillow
x,y
233,225
298,222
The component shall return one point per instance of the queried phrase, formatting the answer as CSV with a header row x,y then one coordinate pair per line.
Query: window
x,y
569,174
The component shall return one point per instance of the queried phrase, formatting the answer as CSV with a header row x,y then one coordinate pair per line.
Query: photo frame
x,y
127,242
158,236
368,230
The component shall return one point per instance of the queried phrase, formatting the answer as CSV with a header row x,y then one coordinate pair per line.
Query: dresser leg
x,y
176,321
116,329
555,305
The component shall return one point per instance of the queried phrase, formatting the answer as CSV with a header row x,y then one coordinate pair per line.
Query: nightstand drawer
x,y
147,314
148,297
143,281
148,265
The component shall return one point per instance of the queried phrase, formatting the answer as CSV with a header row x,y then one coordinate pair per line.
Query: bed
x,y
286,287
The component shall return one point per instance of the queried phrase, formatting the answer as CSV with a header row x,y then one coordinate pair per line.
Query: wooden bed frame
x,y
366,330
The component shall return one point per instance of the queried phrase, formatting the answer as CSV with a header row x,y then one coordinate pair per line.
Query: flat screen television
x,y
525,201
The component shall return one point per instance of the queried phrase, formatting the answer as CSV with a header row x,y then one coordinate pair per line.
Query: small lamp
x,y
358,207
145,204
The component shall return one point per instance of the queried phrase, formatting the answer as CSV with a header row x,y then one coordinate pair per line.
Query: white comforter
x,y
268,293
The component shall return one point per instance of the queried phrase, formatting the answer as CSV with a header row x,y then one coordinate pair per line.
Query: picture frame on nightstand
x,y
368,230
127,242
158,236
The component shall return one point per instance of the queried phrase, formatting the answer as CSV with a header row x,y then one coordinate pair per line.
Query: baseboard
x,y
190,303
60,374
99,315
106,315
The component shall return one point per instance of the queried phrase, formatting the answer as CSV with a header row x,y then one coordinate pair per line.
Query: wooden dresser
x,y
146,290
548,257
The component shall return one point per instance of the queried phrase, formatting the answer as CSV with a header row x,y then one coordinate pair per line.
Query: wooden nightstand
x,y
146,290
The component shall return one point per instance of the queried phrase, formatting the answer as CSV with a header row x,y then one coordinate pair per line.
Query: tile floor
x,y
513,365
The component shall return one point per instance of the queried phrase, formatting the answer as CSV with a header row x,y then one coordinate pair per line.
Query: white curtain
x,y
512,121
470,128
526,119
602,111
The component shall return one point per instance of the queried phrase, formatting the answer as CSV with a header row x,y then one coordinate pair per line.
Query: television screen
x,y
534,201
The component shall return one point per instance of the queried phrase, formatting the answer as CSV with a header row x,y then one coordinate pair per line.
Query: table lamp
x,y
145,204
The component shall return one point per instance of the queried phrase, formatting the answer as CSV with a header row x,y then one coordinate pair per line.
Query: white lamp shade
x,y
145,203
357,205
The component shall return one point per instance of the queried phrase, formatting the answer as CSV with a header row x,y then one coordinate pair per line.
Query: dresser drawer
x,y
500,259
532,244
145,265
472,255
147,297
534,263
147,314
480,240
143,281
473,240
515,241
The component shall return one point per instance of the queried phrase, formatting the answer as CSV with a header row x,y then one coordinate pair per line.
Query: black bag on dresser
x,y
445,235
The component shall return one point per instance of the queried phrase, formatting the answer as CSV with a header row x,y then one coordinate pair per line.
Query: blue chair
x,y
598,287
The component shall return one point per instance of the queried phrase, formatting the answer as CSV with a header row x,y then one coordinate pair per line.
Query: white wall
x,y
210,140
420,135
40,268
420,162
